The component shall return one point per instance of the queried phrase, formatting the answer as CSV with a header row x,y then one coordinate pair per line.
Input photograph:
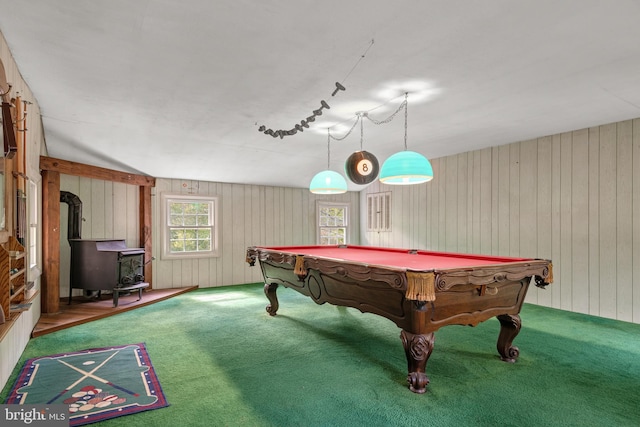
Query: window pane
x,y
177,246
175,220
175,208
203,208
190,239
189,208
204,234
204,245
333,236
335,216
182,213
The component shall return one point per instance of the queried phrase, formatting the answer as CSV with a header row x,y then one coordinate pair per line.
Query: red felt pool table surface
x,y
398,258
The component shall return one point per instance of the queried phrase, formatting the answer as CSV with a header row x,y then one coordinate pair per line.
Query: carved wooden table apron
x,y
420,291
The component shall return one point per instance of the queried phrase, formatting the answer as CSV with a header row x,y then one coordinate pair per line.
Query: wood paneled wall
x,y
572,197
14,342
249,215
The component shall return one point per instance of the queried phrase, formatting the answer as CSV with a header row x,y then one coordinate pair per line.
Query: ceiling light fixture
x,y
406,167
328,181
362,167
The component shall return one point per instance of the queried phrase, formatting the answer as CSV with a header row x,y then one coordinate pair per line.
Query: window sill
x,y
13,317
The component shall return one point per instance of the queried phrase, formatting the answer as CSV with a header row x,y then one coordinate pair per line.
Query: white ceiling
x,y
179,89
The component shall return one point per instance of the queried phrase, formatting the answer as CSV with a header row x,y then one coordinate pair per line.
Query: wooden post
x,y
145,232
50,242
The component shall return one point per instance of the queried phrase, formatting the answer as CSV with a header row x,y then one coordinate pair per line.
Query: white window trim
x,y
321,204
33,206
165,198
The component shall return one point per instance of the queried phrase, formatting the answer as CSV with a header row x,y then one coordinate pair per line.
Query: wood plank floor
x,y
82,310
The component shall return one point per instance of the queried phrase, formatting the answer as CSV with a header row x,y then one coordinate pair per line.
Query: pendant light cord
x,y
328,150
406,104
361,129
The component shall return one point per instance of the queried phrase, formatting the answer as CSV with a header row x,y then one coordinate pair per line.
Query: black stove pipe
x,y
75,214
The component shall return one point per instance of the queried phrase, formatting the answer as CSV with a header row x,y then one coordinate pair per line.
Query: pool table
x,y
420,291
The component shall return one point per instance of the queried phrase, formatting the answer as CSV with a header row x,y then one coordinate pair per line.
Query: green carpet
x,y
224,361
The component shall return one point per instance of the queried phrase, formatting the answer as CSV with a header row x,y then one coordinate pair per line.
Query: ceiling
x,y
181,89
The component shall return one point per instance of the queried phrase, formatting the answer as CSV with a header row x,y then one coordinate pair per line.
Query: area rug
x,y
97,384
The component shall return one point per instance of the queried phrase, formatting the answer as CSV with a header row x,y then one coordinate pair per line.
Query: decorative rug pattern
x,y
97,384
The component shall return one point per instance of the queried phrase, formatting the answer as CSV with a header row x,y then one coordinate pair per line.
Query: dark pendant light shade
x,y
362,167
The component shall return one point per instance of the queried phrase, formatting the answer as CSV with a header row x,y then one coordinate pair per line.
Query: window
x,y
190,226
32,241
332,223
379,211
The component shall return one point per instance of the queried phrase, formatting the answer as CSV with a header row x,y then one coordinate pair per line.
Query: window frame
x,y
323,204
165,202
379,212
33,234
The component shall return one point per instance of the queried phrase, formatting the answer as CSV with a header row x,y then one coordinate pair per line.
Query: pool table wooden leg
x,y
270,292
418,348
509,328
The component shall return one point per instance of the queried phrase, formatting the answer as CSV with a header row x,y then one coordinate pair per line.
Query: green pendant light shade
x,y
405,168
328,182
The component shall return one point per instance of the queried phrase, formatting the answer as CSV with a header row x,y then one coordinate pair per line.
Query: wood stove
x,y
106,264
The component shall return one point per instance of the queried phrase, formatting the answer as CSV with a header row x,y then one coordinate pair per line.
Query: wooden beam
x,y
51,169
78,169
50,286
